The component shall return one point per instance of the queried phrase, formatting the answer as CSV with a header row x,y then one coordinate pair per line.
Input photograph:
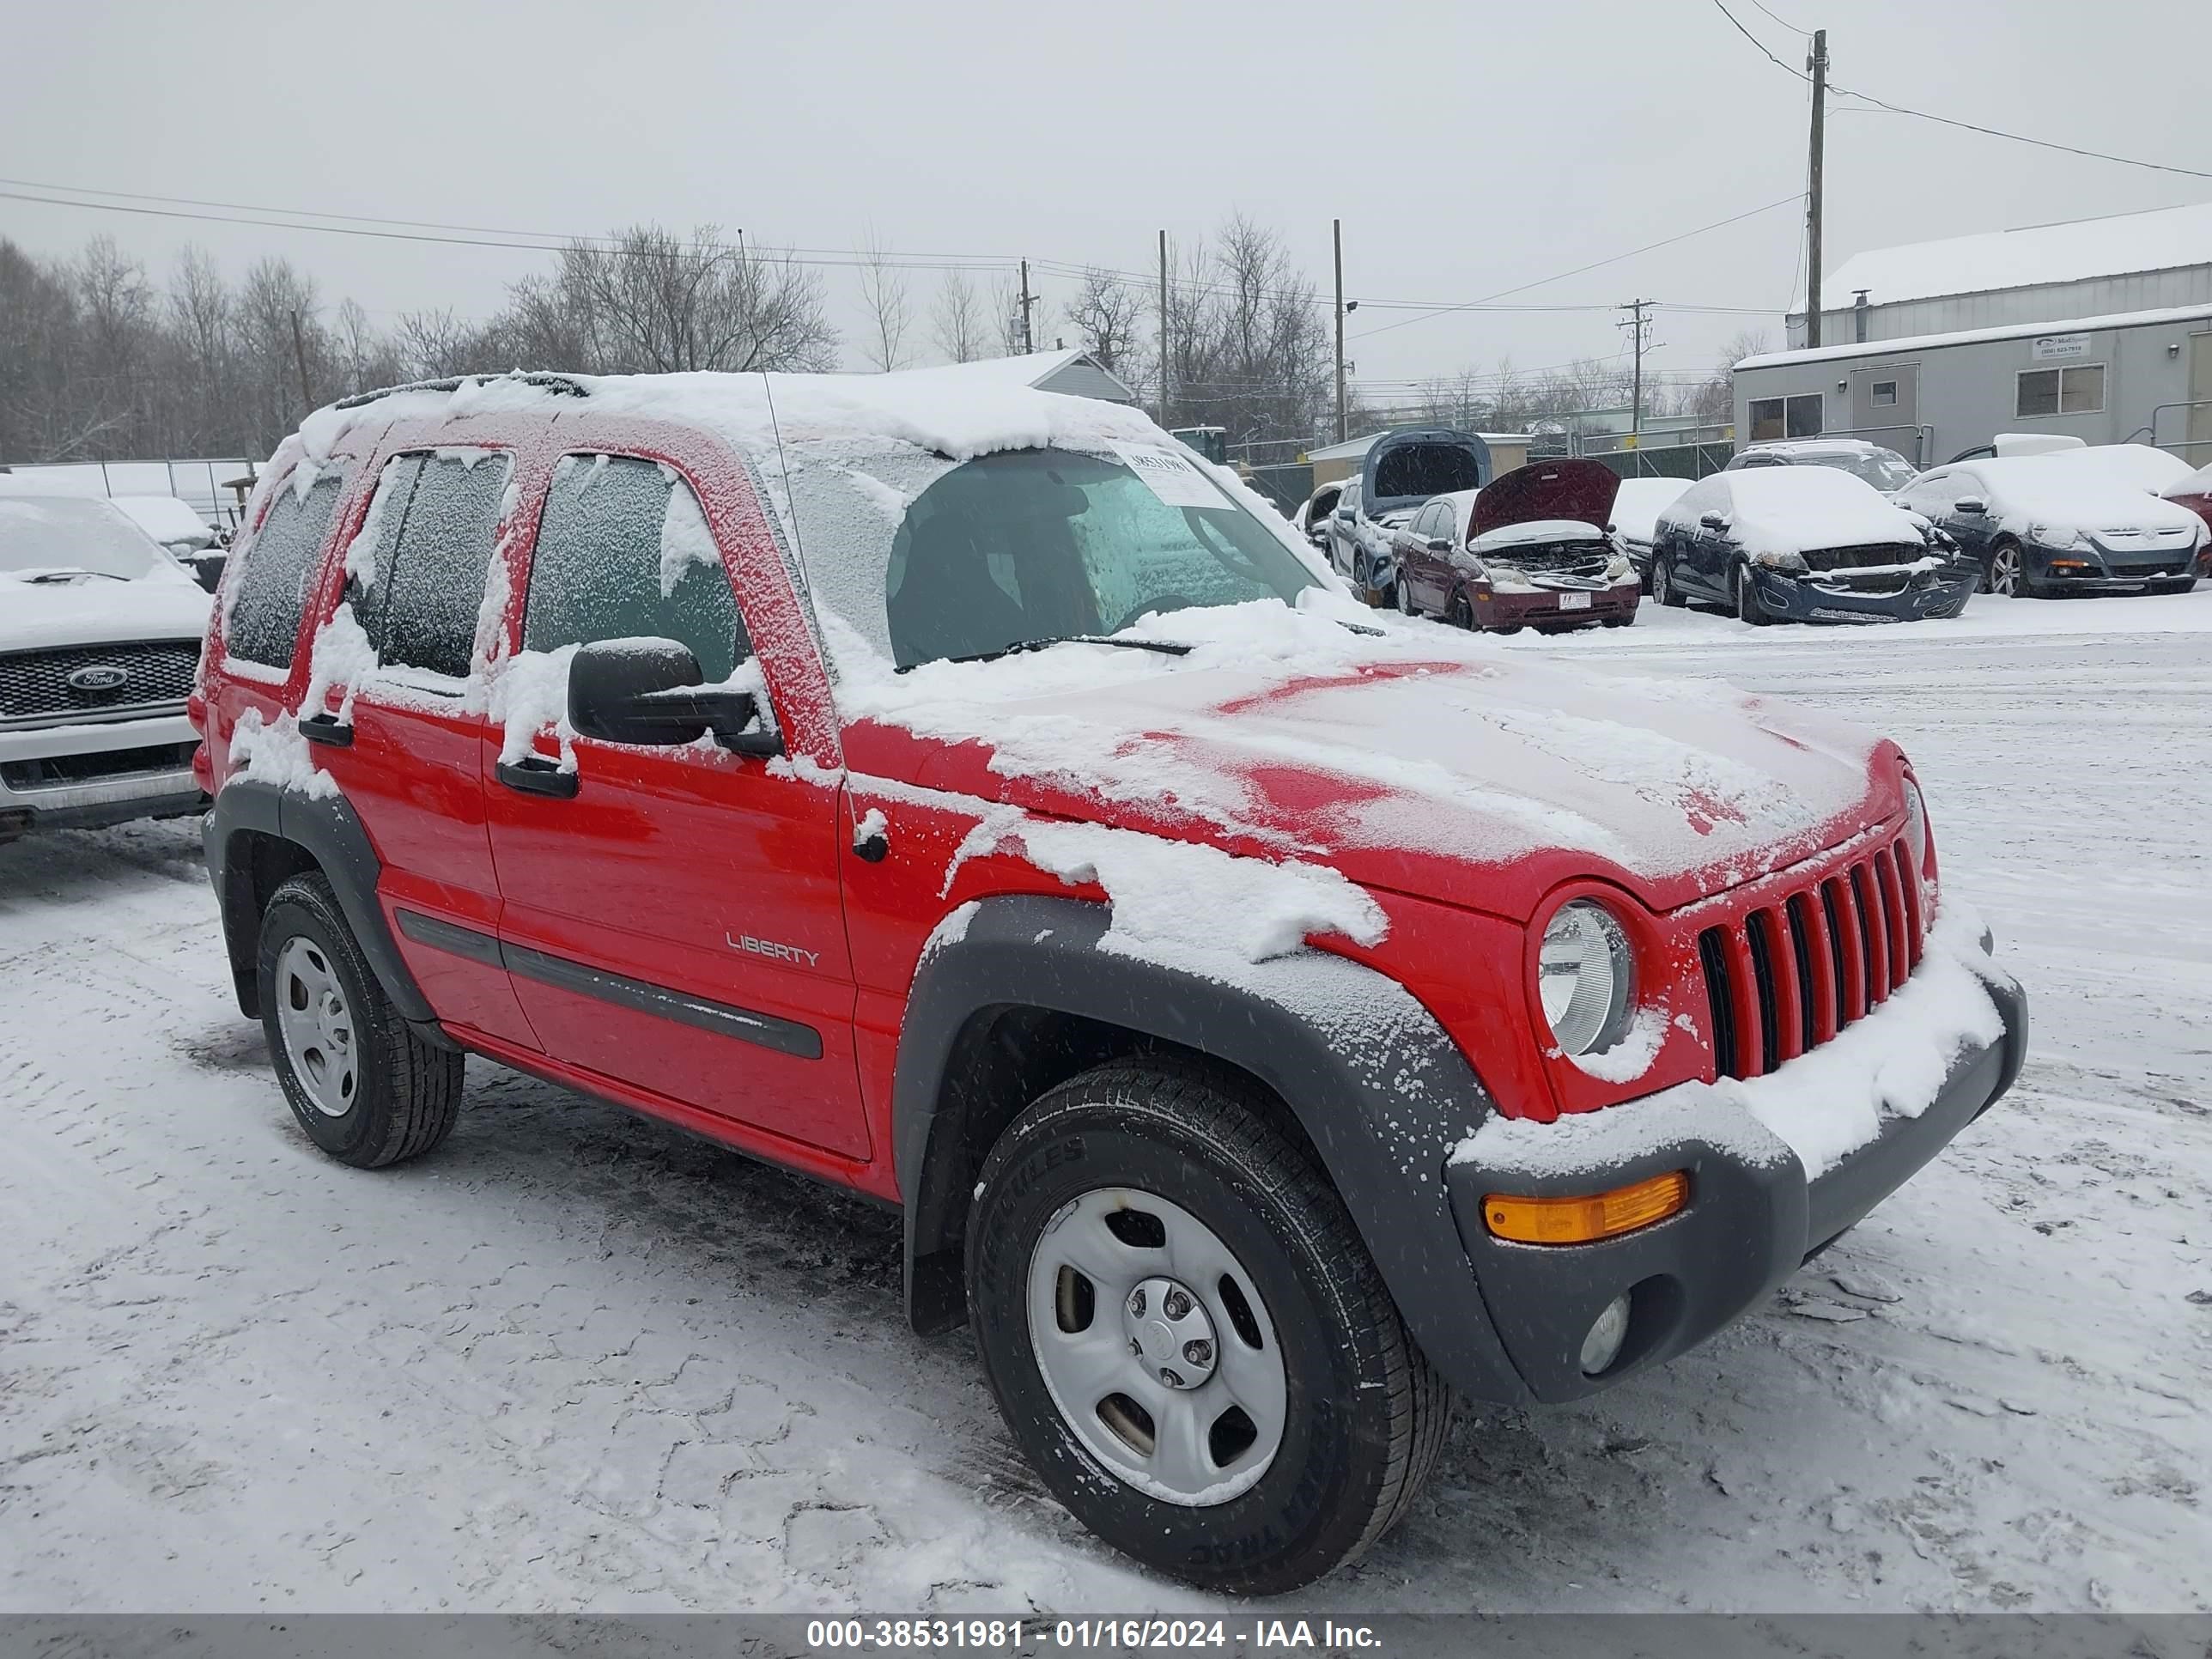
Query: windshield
x,y
61,532
1885,469
925,558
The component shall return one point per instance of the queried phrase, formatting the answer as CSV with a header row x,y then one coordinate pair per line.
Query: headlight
x,y
1619,569
1585,977
1918,836
2055,535
1779,561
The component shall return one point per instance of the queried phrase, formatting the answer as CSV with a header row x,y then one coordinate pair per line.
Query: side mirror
x,y
648,692
1344,515
1972,504
1439,544
1715,521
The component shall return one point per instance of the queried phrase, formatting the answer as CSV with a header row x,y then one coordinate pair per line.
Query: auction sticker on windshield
x,y
1172,477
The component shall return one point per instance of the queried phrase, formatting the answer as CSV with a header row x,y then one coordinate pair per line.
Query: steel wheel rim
x,y
2004,571
1179,1439
317,1026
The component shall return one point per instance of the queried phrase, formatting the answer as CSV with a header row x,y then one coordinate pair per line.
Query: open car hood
x,y
1581,490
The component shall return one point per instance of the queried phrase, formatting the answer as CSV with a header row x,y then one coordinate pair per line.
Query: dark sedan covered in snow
x,y
2078,521
1805,544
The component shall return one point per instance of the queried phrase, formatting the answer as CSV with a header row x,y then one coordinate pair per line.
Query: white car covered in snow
x,y
1636,511
2065,522
100,639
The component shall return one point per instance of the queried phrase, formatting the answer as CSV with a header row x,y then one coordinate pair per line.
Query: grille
x,y
1789,975
33,684
59,771
1858,558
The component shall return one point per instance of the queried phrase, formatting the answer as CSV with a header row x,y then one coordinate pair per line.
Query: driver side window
x,y
624,552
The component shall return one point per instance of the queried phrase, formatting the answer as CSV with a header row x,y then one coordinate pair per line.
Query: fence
x,y
198,483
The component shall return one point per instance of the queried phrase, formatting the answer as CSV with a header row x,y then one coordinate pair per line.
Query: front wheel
x,y
2007,573
1662,583
1460,613
1749,607
364,1086
1186,1336
1404,594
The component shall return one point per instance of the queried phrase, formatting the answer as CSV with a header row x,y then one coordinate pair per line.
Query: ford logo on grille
x,y
98,676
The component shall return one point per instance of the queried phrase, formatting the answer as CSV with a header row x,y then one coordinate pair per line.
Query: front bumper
x,y
1549,607
1750,1224
94,773
1796,598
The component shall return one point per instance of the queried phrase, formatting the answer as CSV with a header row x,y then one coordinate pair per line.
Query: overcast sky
x,y
1468,149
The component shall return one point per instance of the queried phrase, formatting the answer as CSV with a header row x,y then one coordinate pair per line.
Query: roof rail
x,y
560,384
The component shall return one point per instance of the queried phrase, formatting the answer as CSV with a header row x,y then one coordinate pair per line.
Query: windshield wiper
x,y
40,579
1168,647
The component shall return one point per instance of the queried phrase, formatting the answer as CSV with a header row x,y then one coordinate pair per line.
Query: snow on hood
x,y
1582,491
165,604
1801,509
1533,533
2057,489
1410,758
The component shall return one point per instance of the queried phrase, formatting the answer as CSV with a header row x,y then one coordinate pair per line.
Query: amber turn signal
x,y
1579,1220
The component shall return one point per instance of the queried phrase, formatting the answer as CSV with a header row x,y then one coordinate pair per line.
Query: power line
x,y
1594,264
1948,121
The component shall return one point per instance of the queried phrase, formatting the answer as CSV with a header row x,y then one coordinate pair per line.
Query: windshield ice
x,y
926,558
61,532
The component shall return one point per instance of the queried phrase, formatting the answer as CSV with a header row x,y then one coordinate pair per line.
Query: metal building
x,y
2144,376
2036,275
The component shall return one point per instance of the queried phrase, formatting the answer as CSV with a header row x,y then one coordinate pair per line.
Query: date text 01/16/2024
x,y
1111,1635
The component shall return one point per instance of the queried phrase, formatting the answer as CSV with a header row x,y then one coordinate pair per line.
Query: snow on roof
x,y
2030,257
166,519
1971,335
960,411
1818,447
1038,369
1796,509
1352,448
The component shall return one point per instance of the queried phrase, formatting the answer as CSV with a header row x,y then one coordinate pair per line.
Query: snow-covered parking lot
x,y
574,1360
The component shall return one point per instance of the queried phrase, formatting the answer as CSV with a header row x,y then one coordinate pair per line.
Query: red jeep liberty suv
x,y
1273,1019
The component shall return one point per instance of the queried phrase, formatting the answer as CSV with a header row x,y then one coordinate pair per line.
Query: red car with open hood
x,y
1271,1027
1533,549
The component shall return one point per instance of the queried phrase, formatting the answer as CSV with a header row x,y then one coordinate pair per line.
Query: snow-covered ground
x,y
576,1360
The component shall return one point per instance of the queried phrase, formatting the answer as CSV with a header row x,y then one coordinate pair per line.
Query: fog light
x,y
1602,1346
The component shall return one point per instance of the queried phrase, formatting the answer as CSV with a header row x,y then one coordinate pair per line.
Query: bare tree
x,y
1107,316
1249,349
1006,317
883,291
956,321
1713,399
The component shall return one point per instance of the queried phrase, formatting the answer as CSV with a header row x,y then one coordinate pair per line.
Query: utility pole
x,y
1163,328
1818,64
1637,325
1336,232
1027,300
300,357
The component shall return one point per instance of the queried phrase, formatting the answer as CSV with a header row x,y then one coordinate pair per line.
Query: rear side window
x,y
433,528
624,552
264,620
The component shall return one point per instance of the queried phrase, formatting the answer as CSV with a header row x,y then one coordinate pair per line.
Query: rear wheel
x,y
1187,1335
2005,571
364,1086
1662,582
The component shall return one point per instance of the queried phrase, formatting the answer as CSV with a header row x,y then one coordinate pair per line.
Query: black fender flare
x,y
329,831
1380,1090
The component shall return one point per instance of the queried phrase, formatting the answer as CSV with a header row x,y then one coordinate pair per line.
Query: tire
x,y
1459,613
1402,595
1628,621
1662,583
1748,606
2005,572
1346,1414
363,1085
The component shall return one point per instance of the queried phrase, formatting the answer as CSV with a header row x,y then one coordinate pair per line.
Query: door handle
x,y
534,774
327,728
